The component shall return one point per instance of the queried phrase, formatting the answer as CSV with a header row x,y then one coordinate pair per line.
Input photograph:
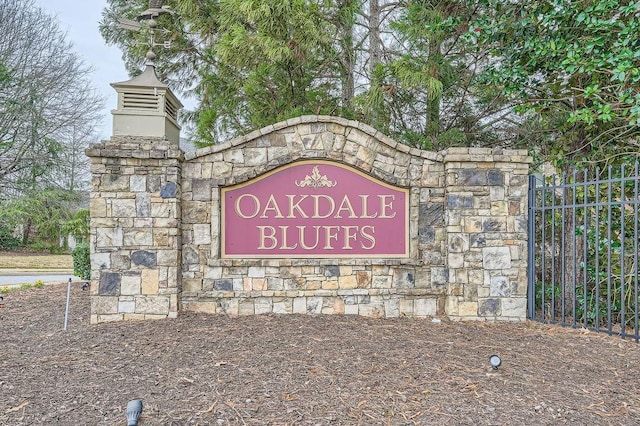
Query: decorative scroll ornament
x,y
316,180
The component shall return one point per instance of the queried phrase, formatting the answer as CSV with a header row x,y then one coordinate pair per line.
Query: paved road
x,y
16,277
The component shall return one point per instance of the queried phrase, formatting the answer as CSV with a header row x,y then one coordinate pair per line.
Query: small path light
x,y
495,361
134,409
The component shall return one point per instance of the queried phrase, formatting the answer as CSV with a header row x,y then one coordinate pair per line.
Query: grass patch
x,y
20,260
24,286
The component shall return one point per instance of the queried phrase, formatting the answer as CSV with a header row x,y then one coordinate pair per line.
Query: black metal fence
x,y
583,250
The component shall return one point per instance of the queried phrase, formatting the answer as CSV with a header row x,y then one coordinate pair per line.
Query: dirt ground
x,y
303,370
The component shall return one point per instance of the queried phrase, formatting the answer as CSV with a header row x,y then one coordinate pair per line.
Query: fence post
x,y
531,245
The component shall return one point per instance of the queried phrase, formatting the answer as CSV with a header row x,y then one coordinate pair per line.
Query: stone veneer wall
x,y
135,229
467,229
486,226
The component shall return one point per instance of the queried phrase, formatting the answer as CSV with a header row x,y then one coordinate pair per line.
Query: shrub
x,y
7,240
82,261
42,246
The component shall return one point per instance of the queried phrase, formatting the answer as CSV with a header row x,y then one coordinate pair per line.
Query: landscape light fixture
x,y
495,361
134,409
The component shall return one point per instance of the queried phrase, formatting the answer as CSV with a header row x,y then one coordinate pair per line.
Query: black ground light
x,y
134,409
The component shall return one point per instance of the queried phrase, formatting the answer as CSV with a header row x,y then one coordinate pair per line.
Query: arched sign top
x,y
315,208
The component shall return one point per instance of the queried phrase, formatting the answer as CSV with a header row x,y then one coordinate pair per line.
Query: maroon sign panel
x,y
315,209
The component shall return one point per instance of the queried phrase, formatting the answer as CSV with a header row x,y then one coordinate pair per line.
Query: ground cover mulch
x,y
303,370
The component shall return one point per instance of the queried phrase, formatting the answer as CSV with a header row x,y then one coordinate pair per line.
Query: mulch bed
x,y
304,370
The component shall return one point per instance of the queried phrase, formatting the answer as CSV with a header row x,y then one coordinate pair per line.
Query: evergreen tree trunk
x,y
346,22
25,232
375,43
432,127
348,83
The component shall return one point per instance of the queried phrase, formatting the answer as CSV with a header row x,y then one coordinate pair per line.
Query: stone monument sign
x,y
312,215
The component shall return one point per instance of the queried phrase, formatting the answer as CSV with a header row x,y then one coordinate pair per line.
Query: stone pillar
x,y
135,228
486,223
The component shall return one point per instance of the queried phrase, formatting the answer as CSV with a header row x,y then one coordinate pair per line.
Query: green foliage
x,y
7,240
548,298
427,94
38,284
82,261
4,73
610,243
276,48
602,231
446,72
78,226
575,64
249,63
41,216
405,69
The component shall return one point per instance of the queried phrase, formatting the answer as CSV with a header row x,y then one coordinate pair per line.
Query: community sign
x,y
315,209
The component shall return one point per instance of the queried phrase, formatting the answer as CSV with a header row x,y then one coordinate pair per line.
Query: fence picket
x,y
583,250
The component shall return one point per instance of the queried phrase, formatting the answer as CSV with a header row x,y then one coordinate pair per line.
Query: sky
x,y
79,19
